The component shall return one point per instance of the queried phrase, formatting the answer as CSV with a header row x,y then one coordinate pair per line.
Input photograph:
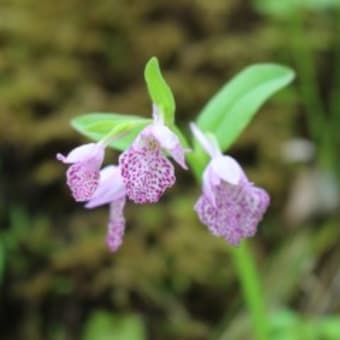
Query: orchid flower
x,y
145,169
86,161
83,174
230,205
111,190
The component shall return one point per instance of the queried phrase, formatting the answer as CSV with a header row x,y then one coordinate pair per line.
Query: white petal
x,y
166,138
226,168
210,180
206,144
170,142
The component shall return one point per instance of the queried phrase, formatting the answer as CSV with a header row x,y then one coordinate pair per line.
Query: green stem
x,y
243,261
251,287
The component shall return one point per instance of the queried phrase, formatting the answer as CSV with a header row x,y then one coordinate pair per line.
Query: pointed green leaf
x,y
159,90
98,125
229,112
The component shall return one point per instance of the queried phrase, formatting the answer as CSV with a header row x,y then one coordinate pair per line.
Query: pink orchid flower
x,y
111,190
230,205
83,174
145,169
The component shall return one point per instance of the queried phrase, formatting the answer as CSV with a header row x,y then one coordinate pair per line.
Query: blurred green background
x,y
171,279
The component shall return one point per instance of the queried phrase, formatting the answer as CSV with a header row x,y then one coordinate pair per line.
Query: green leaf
x,y
159,90
229,112
106,326
98,125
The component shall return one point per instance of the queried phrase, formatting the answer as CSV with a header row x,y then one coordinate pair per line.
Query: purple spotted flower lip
x,y
111,190
146,171
83,173
230,206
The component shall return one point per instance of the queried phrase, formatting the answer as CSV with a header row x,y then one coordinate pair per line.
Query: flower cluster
x,y
143,175
230,205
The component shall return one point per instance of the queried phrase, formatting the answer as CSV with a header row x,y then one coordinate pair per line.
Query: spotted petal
x,y
146,172
83,174
82,179
237,210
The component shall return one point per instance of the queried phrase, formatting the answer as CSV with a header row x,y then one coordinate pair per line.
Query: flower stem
x,y
244,265
251,288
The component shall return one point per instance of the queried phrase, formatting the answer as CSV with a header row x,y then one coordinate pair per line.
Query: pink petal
x,y
83,153
237,210
110,187
146,172
210,181
116,226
